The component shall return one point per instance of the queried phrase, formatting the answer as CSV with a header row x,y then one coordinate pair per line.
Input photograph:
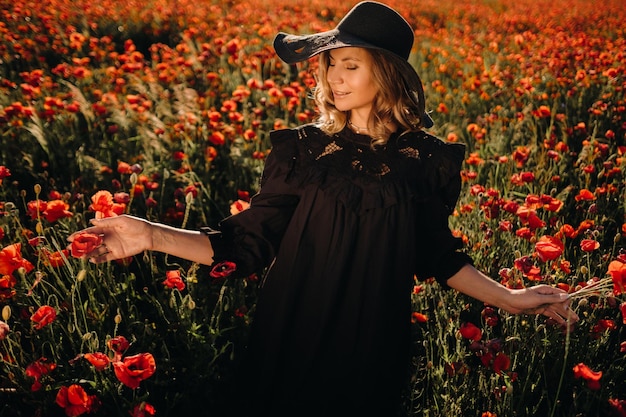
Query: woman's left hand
x,y
540,299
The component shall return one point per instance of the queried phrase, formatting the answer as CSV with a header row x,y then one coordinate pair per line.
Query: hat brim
x,y
297,48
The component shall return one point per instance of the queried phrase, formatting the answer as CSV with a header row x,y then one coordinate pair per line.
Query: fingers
x,y
562,315
100,254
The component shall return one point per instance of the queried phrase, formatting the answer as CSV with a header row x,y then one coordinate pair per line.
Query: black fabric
x,y
345,229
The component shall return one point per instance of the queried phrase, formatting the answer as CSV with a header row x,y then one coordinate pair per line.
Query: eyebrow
x,y
347,58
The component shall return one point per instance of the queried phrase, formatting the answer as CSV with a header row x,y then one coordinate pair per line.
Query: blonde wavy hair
x,y
400,98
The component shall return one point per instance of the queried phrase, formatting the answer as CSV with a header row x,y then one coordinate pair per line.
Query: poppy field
x,y
162,109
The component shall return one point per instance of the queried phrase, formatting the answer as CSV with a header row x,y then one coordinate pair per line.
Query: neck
x,y
357,129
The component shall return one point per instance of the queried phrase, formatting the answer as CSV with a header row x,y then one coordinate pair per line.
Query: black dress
x,y
345,228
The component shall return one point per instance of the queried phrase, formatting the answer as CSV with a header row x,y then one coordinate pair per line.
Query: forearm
x,y
187,244
477,285
538,299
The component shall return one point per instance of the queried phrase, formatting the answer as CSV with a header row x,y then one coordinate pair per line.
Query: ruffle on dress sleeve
x,y
251,238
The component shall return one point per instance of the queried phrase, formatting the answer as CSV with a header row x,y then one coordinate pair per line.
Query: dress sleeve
x,y
440,253
250,239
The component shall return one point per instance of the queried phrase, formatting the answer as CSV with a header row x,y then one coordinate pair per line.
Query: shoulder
x,y
426,147
436,164
291,151
303,142
300,133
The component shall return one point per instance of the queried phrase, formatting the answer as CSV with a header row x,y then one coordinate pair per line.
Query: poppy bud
x,y
6,313
81,275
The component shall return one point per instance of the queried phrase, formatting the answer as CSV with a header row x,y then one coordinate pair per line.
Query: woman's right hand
x,y
122,237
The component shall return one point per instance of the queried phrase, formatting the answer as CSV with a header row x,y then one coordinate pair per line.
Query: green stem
x,y
558,389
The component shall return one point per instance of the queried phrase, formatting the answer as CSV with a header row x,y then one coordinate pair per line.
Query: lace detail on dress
x,y
330,149
410,152
384,169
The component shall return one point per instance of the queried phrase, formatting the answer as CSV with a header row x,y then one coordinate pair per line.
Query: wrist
x,y
156,238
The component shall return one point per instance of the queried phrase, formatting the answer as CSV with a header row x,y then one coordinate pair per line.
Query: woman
x,y
350,209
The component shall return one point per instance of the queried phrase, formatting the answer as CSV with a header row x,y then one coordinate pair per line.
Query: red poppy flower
x,y
217,138
4,173
4,330
84,243
501,363
618,406
548,248
589,245
223,269
551,204
102,204
592,377
124,168
520,155
585,195
134,369
57,259
470,331
36,208
239,206
143,410
98,360
7,282
43,316
568,231
526,266
75,401
602,326
617,271
418,317
57,209
37,370
173,280
119,345
11,260
121,198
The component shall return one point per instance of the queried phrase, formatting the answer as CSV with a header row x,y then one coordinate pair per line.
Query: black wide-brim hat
x,y
369,24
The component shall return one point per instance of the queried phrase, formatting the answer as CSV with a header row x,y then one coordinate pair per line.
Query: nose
x,y
333,76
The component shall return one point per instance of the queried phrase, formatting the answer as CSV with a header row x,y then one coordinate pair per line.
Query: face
x,y
350,77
